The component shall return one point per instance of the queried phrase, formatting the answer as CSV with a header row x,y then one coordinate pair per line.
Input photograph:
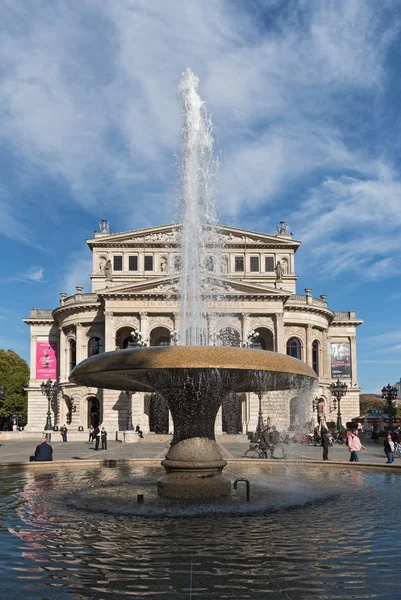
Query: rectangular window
x,y
149,263
239,264
254,264
117,263
133,263
269,264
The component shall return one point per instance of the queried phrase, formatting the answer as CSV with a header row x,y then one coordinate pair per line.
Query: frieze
x,y
262,322
127,320
160,321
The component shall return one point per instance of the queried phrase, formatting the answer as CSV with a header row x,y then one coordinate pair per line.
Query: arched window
x,y
73,354
315,356
294,348
95,346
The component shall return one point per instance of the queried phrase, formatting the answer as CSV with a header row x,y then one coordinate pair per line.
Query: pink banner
x,y
46,360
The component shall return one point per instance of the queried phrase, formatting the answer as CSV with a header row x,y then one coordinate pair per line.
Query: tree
x,y
367,401
14,375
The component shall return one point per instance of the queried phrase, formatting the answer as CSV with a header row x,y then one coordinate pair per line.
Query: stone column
x,y
144,325
109,338
326,355
246,325
62,355
81,343
34,339
354,376
309,345
279,325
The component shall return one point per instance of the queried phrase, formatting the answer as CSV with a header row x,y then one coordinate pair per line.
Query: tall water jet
x,y
196,208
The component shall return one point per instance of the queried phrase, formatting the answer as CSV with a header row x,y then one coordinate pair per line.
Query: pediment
x,y
169,236
216,287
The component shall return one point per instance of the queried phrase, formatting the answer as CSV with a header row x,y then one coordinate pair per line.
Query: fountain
x,y
194,378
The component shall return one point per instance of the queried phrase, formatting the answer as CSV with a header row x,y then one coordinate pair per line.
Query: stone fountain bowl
x,y
194,380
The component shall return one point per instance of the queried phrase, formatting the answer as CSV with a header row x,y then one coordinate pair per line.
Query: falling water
x,y
197,210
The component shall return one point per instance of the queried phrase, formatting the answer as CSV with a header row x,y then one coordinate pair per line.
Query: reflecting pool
x,y
307,533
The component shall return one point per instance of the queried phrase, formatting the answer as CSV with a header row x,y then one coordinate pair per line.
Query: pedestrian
x,y
354,446
103,435
43,451
325,443
96,436
91,430
63,431
139,431
389,448
264,443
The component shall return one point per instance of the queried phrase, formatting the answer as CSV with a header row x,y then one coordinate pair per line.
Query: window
x,y
149,263
269,264
239,263
117,263
254,264
95,346
294,348
73,354
315,357
133,263
209,263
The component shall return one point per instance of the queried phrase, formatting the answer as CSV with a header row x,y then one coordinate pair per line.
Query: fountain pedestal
x,y
194,470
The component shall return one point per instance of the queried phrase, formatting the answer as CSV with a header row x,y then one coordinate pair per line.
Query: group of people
x,y
269,441
98,434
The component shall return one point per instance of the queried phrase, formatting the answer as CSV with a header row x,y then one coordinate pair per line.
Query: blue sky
x,y
305,100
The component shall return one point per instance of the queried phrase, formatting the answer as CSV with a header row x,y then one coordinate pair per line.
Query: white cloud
x,y
35,274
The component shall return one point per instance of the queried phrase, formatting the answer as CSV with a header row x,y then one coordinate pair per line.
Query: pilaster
x,y
309,345
279,325
33,356
81,342
144,325
246,325
109,337
354,375
62,355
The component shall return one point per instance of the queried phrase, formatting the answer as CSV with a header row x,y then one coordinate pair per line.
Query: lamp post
x,y
48,390
338,390
389,394
251,340
260,427
137,340
174,337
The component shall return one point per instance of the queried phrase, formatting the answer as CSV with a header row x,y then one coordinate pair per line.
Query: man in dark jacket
x,y
43,452
96,436
264,443
325,443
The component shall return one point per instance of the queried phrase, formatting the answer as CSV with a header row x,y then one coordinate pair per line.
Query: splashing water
x,y
197,210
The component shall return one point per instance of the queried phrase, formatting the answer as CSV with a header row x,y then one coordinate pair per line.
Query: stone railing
x,y
79,298
300,299
344,315
41,313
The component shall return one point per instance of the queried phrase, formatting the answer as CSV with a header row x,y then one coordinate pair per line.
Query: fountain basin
x,y
194,380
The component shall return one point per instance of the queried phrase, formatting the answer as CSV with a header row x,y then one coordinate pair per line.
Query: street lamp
x,y
251,340
260,426
130,426
338,390
137,340
174,337
389,394
48,390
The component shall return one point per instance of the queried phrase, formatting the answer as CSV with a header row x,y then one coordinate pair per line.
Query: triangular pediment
x,y
214,287
169,236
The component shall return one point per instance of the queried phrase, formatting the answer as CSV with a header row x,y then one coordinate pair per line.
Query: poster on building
x,y
340,360
46,360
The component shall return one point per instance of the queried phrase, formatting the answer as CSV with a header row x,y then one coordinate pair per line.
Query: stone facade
x,y
135,287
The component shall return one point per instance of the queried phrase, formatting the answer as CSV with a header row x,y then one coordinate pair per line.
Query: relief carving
x,y
262,322
161,321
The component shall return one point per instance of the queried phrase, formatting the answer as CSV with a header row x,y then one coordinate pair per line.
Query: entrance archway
x,y
231,413
160,336
93,412
265,339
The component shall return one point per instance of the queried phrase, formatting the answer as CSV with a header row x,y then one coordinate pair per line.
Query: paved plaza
x,y
17,452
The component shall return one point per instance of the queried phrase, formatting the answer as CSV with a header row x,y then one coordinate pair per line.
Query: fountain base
x,y
194,471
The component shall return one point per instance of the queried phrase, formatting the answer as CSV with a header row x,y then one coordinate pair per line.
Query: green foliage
x,y
14,375
367,401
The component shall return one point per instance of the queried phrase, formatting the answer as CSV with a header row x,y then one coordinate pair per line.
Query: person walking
x,y
389,448
91,430
63,431
43,451
264,443
354,446
103,435
96,436
325,443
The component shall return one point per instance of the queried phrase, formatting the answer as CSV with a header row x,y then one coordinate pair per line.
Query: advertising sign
x,y
340,360
46,360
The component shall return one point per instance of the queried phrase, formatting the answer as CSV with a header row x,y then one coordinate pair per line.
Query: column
x,y
354,376
109,339
144,325
34,339
309,345
246,326
326,355
62,355
81,343
279,324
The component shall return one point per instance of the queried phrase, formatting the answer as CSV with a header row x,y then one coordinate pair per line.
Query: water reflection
x,y
338,548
